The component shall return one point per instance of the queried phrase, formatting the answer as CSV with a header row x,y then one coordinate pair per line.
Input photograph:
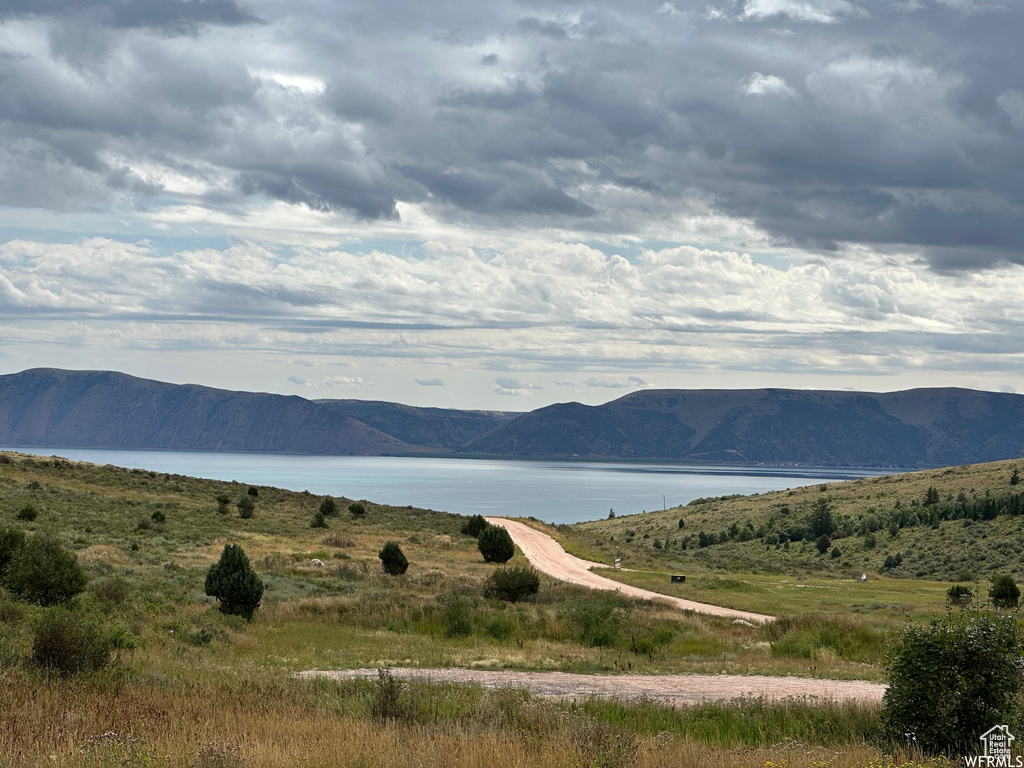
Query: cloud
x,y
430,382
629,383
301,381
905,135
346,381
513,387
768,85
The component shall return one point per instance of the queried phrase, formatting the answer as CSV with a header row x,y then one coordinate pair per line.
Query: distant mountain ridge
x,y
47,407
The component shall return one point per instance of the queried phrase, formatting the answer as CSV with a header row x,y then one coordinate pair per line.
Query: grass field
x,y
194,687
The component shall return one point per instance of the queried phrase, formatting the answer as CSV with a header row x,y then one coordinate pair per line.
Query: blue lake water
x,y
555,491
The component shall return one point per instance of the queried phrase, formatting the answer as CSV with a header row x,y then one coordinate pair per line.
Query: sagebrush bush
x,y
44,572
64,642
496,545
113,590
28,513
389,701
457,620
329,507
318,520
356,509
512,584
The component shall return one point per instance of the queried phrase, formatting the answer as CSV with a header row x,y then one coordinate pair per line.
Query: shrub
x,y
512,584
1004,592
329,507
836,553
388,701
158,517
318,520
457,622
254,492
223,503
951,680
28,513
474,526
393,559
65,642
234,583
496,545
959,595
45,573
246,507
597,619
113,590
11,542
356,509
822,544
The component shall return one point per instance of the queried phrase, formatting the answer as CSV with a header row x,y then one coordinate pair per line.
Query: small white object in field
x,y
317,562
743,623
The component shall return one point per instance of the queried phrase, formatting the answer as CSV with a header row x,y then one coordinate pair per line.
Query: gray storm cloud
x,y
821,124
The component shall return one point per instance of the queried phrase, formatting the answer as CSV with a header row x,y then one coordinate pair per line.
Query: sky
x,y
501,204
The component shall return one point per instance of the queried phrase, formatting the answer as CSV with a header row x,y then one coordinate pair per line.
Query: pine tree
x,y
496,545
393,559
234,583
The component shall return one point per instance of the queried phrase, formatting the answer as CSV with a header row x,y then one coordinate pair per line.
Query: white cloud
x,y
767,85
430,382
819,11
510,387
346,381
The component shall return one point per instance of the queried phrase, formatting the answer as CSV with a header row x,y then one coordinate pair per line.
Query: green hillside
x,y
954,524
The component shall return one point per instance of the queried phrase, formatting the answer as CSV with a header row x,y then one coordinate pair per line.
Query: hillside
x,y
438,428
103,409
969,527
916,428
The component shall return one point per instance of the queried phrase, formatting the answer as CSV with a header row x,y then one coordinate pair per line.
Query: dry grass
x,y
267,724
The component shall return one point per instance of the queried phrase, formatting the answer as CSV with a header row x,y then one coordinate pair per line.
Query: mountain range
x,y
47,407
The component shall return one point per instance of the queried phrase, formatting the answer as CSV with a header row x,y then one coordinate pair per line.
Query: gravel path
x,y
662,689
547,556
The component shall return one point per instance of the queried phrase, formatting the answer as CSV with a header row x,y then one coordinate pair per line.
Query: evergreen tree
x,y
821,522
393,559
234,583
496,545
474,526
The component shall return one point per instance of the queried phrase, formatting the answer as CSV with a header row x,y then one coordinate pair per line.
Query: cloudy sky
x,y
507,203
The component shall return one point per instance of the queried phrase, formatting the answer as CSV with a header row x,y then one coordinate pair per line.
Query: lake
x,y
554,491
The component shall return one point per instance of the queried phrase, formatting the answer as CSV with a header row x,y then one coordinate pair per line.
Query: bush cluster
x,y
951,680
512,584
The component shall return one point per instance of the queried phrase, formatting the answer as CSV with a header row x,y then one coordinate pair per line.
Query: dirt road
x,y
664,689
547,556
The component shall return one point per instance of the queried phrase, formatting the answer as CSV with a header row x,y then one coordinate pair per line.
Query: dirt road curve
x,y
664,689
547,556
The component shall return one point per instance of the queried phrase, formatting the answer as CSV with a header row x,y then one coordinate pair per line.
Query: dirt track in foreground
x,y
547,556
675,690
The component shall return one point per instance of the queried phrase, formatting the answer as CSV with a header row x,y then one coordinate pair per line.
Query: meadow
x,y
190,686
